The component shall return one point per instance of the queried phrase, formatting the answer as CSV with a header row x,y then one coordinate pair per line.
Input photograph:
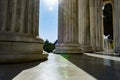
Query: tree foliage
x,y
48,46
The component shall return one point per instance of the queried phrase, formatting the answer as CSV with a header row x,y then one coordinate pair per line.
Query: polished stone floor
x,y
65,67
101,67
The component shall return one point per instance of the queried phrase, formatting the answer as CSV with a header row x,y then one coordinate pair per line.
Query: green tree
x,y
48,46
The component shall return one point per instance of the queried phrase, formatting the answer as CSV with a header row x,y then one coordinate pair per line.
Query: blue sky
x,y
48,20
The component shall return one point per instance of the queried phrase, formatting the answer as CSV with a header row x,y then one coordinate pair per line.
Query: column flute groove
x,y
22,16
18,16
32,18
29,16
3,11
14,16
25,30
9,15
36,16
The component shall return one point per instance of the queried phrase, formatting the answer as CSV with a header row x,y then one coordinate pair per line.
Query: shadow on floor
x,y
101,69
9,71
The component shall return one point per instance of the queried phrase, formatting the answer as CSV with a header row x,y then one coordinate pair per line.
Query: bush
x,y
48,46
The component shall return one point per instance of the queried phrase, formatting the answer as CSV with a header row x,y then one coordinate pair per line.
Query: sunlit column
x,y
68,27
96,29
84,25
100,26
92,24
60,21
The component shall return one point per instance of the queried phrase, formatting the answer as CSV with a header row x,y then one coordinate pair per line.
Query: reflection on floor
x,y
55,68
104,56
100,66
65,67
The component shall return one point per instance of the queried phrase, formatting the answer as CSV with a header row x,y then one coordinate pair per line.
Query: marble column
x,y
68,27
18,42
84,25
116,24
96,29
99,23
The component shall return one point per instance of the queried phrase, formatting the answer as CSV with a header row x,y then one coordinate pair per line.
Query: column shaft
x,y
19,16
96,29
99,28
116,24
92,24
60,21
84,25
68,27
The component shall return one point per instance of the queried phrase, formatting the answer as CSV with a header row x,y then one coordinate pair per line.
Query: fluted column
x,y
98,25
116,24
92,23
19,20
20,16
96,29
68,27
84,25
99,13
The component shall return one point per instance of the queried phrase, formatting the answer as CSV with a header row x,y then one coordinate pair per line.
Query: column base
x,y
21,51
98,49
117,49
19,58
87,49
68,48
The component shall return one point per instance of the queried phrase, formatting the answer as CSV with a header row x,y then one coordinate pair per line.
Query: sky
x,y
48,20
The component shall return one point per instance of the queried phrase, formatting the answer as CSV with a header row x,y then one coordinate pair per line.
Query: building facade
x,y
80,28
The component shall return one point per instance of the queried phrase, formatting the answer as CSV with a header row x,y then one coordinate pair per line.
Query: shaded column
x,y
23,2
36,17
17,42
68,27
96,29
30,16
84,25
116,24
3,12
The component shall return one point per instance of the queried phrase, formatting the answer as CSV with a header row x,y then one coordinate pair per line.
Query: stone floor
x,y
65,67
101,67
